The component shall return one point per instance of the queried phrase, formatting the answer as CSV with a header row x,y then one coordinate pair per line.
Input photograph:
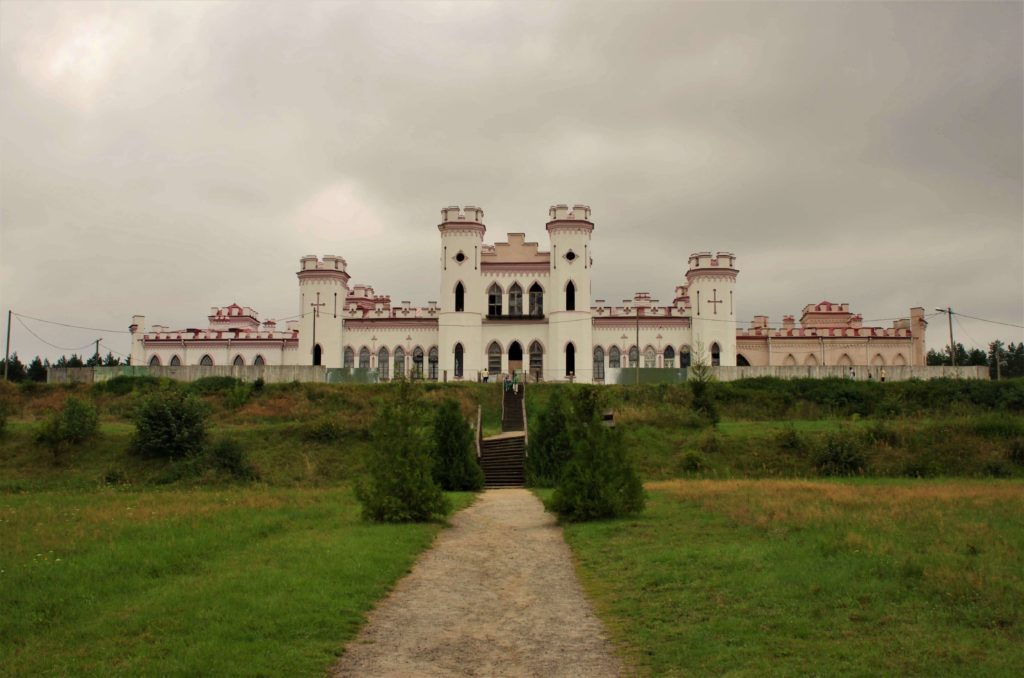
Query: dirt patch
x,y
496,596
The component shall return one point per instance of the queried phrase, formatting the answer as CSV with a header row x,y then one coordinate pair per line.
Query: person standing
x,y
515,383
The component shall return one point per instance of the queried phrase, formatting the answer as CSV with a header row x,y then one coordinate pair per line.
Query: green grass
x,y
251,581
751,578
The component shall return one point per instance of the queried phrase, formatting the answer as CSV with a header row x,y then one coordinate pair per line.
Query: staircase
x,y
502,456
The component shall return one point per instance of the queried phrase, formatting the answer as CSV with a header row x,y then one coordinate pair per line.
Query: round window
x,y
460,257
571,255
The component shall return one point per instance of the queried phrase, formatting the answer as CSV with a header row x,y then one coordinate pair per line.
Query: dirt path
x,y
495,596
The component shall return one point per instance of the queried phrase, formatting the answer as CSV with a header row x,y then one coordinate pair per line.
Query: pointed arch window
x,y
350,358
536,300
258,361
399,363
460,298
364,358
382,364
634,356
598,363
515,300
684,356
536,360
570,359
570,296
206,361
494,300
716,355
238,361
432,364
417,363
741,360
670,357
175,361
650,357
494,358
154,361
318,355
459,361
614,357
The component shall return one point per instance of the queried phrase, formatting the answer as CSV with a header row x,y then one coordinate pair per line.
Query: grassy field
x,y
751,578
256,581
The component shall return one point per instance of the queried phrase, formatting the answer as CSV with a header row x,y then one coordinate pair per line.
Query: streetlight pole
x,y
952,347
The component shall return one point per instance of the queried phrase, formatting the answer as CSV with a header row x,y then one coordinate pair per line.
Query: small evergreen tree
x,y
599,481
16,369
398,486
700,378
36,370
549,448
455,466
111,361
170,424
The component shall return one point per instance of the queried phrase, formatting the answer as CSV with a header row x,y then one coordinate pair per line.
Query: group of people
x,y
881,374
509,382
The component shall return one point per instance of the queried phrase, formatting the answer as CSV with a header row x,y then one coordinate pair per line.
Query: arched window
x,y
741,360
670,357
614,357
789,361
598,363
536,300
650,357
716,355
536,360
364,358
684,356
238,361
515,300
494,300
899,360
458,361
811,361
258,361
175,361
515,353
634,356
460,298
570,297
432,364
318,355
154,361
878,360
206,361
382,364
417,363
570,360
350,357
494,358
846,361
399,363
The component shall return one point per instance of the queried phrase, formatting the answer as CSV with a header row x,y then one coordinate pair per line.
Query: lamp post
x,y
952,347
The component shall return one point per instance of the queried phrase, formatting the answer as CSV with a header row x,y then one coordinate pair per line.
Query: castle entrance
x,y
515,357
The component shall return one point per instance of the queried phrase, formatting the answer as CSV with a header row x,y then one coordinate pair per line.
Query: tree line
x,y
36,370
1003,360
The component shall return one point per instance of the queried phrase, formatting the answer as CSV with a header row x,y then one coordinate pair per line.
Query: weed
x,y
841,455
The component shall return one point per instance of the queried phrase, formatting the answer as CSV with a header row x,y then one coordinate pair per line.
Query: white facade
x,y
503,307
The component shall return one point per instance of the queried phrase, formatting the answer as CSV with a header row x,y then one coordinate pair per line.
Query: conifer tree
x,y
455,466
549,448
36,370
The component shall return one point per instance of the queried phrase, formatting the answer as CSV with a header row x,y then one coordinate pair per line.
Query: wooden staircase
x,y
502,456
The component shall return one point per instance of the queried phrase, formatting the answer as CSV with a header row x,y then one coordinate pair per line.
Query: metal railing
x,y
479,429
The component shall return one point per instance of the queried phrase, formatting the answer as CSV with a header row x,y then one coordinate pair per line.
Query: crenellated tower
x,y
463,299
711,282
568,299
323,287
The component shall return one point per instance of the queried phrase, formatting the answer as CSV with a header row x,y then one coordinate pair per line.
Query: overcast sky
x,y
161,159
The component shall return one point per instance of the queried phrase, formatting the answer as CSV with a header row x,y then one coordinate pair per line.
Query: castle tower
x,y
712,286
463,298
567,301
323,286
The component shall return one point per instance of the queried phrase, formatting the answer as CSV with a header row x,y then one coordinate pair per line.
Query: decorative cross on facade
x,y
316,306
714,300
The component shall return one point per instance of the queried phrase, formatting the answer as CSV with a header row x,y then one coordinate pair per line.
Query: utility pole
x,y
316,312
637,372
952,347
7,350
97,353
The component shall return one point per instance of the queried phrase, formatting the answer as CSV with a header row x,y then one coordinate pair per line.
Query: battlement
x,y
563,213
700,260
330,262
469,213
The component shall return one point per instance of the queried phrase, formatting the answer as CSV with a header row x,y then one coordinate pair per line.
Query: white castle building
x,y
511,307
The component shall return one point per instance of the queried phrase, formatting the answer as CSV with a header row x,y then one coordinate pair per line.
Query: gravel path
x,y
495,596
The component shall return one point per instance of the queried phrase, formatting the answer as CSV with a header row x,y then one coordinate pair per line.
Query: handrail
x,y
479,431
526,429
502,405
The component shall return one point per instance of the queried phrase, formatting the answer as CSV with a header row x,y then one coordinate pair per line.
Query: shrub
x,y
237,395
257,386
883,433
692,462
1016,451
704,402
710,442
399,486
841,455
123,384
73,425
599,481
549,447
325,430
169,424
789,439
997,468
998,425
210,385
455,466
115,476
229,457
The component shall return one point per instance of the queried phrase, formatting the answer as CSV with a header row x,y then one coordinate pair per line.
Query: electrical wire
x,y
994,322
61,348
77,327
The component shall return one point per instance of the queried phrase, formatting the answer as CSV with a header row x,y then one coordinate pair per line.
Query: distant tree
x,y
111,361
549,446
73,361
94,360
455,466
36,370
976,356
700,378
15,371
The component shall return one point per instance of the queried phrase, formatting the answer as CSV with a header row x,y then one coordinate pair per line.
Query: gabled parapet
x,y
705,260
562,217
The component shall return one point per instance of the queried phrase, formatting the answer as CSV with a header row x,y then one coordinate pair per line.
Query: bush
x,y
455,466
841,455
257,386
692,462
1016,451
399,486
211,385
710,442
323,431
73,425
229,457
789,439
998,425
599,481
123,384
549,448
704,402
237,395
169,424
115,476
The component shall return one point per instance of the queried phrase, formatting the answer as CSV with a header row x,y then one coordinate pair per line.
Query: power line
x,y
61,348
77,327
994,322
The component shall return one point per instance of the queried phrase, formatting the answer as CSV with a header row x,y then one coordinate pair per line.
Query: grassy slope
x,y
227,582
792,577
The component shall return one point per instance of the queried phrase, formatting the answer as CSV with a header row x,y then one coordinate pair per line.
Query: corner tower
x,y
568,299
323,286
712,288
463,300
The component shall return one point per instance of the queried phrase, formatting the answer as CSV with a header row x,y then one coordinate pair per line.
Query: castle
x,y
511,307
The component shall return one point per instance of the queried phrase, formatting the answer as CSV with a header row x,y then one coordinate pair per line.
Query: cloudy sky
x,y
164,158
